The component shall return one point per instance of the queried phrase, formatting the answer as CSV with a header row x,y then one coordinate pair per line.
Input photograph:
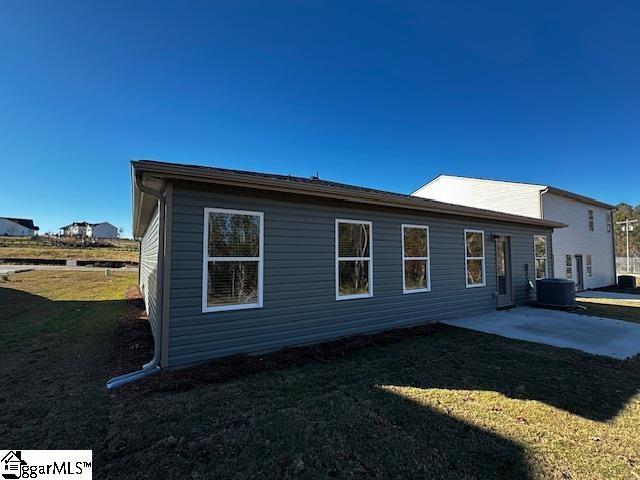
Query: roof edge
x,y
543,189
23,222
335,191
466,177
428,183
580,198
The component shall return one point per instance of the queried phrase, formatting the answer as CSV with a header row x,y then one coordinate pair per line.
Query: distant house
x,y
582,252
76,229
90,230
17,227
102,230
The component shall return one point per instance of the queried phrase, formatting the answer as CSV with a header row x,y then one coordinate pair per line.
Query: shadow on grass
x,y
326,416
57,358
593,387
329,414
25,318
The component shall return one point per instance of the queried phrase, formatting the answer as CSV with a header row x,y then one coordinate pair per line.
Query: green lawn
x,y
57,331
612,308
450,404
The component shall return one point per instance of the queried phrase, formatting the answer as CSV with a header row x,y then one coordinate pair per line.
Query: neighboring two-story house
x,y
583,252
75,229
90,230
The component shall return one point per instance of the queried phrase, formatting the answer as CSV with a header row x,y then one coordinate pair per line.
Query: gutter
x,y
139,258
613,242
154,365
542,192
580,198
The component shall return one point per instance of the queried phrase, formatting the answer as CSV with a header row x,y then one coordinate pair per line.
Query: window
x,y
590,220
569,267
540,251
354,259
608,222
589,266
415,259
233,255
474,258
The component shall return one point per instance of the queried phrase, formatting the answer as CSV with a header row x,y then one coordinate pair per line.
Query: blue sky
x,y
381,94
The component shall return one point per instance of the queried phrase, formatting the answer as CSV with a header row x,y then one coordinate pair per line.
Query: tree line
x,y
623,212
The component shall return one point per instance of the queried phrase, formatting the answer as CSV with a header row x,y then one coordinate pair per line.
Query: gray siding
x,y
148,272
299,276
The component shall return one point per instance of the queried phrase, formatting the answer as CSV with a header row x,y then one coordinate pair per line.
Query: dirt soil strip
x,y
133,342
134,346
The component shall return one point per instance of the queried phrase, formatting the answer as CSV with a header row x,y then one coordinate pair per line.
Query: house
x,y
90,230
102,230
17,227
76,229
239,262
584,251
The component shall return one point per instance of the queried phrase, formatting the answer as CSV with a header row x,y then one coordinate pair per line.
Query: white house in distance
x,y
90,230
102,230
583,251
17,227
75,229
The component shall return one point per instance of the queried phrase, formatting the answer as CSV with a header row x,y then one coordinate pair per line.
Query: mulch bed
x,y
134,346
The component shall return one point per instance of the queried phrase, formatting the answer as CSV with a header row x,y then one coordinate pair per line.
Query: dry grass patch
x,y
627,310
85,253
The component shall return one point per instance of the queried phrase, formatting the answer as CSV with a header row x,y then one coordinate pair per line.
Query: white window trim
x,y
570,266
338,258
466,272
588,262
406,290
591,222
206,259
546,257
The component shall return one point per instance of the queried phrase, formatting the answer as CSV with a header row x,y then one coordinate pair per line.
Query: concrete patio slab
x,y
595,335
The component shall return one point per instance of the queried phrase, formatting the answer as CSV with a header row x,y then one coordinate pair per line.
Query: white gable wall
x,y
514,198
577,239
103,230
13,229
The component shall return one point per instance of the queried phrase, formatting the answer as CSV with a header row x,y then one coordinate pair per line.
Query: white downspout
x,y
154,365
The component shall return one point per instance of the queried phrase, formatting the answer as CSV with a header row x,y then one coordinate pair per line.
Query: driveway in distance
x,y
596,335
